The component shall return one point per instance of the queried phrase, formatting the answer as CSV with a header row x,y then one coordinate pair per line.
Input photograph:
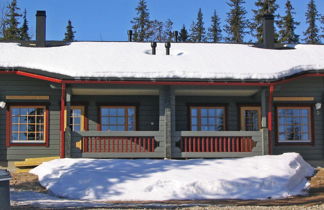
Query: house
x,y
189,100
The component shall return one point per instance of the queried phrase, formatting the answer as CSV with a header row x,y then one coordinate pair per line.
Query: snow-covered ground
x,y
187,60
259,177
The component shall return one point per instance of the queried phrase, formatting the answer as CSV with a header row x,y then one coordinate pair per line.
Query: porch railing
x,y
118,144
217,144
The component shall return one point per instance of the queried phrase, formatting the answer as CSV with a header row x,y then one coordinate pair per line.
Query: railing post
x,y
265,141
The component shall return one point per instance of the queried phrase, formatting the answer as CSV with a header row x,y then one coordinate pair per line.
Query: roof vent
x,y
167,48
41,29
176,34
153,45
268,32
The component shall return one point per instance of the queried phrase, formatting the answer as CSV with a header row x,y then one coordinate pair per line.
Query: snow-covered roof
x,y
187,60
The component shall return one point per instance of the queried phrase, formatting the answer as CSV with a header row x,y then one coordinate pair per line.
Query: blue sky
x,y
108,20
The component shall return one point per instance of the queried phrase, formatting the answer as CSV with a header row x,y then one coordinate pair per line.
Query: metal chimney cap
x,y
168,45
129,32
268,16
153,44
41,13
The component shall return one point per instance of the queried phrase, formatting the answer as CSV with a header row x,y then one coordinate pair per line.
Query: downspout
x,y
270,121
62,132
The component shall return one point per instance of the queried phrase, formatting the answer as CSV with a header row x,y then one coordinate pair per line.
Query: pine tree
x,y
24,28
198,29
311,33
142,23
322,20
156,31
236,22
11,23
183,34
69,34
287,26
264,7
168,33
2,20
215,31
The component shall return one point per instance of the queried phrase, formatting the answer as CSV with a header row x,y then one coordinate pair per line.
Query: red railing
x,y
118,144
217,144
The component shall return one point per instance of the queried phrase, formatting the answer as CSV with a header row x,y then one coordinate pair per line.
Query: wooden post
x,y
270,123
62,123
68,143
167,104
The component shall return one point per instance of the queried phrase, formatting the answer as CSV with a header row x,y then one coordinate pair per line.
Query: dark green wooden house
x,y
120,100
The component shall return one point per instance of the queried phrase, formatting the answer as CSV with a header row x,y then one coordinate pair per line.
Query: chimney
x,y
176,33
268,31
167,48
41,29
130,35
153,45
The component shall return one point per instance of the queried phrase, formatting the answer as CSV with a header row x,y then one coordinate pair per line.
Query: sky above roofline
x,y
108,20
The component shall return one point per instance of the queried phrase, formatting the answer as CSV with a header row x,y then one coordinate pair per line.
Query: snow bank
x,y
187,60
259,177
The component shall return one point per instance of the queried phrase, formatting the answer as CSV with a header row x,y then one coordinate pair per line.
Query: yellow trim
x,y
82,116
293,99
78,145
242,113
27,97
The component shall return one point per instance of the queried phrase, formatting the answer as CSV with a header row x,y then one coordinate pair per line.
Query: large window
x,y
118,118
207,118
250,118
294,124
28,124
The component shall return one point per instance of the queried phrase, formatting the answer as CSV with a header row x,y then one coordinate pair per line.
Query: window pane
x,y
104,111
77,128
26,123
193,112
207,118
131,112
293,124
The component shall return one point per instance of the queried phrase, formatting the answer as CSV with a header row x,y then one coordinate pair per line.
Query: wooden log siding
x,y
217,144
118,144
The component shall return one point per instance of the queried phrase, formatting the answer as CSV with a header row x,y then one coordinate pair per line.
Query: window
x,y
207,118
118,118
77,118
294,124
250,118
28,124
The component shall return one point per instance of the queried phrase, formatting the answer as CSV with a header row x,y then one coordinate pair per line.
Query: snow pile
x,y
259,177
187,60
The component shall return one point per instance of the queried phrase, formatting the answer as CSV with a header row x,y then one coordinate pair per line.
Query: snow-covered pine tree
x,y
11,24
183,37
287,25
24,28
197,30
311,33
236,22
264,7
168,33
141,23
214,31
69,34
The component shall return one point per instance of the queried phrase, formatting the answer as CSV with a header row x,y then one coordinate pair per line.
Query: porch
x,y
162,128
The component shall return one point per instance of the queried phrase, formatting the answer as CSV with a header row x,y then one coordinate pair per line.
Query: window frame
x,y
84,119
210,106
310,107
125,106
243,108
9,124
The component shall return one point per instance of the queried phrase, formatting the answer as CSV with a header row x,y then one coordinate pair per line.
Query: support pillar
x,y
166,126
62,122
68,143
264,128
270,114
